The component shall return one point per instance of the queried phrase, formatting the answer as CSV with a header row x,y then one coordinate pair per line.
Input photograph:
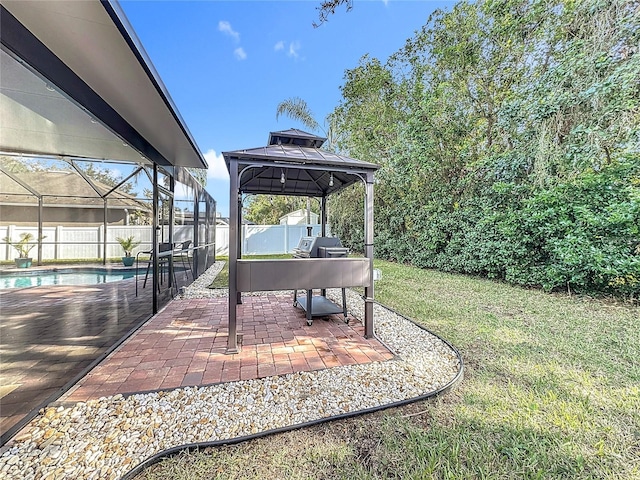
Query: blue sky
x,y
227,64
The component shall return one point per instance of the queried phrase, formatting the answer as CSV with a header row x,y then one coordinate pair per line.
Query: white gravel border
x,y
108,437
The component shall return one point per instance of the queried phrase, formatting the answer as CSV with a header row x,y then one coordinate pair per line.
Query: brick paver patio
x,y
185,344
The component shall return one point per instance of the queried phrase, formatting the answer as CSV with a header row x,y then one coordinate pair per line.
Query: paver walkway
x,y
185,344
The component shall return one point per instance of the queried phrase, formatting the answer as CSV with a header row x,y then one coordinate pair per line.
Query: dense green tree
x,y
267,209
508,135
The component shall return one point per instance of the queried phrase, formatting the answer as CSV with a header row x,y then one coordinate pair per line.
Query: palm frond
x,y
297,109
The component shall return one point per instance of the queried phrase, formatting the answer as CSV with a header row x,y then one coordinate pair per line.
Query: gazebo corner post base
x,y
232,339
232,344
368,317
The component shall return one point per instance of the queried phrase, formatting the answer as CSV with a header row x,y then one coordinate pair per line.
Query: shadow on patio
x,y
50,336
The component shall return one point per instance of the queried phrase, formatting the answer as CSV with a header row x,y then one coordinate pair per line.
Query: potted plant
x,y
128,244
23,247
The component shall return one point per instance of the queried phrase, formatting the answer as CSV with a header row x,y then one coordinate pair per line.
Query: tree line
x,y
508,137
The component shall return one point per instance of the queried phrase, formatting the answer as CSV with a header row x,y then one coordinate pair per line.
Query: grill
x,y
320,306
320,247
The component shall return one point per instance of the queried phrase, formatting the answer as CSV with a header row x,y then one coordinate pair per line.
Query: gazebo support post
x,y
323,216
239,238
323,233
232,340
368,251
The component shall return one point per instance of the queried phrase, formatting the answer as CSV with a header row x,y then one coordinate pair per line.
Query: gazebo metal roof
x,y
293,136
308,170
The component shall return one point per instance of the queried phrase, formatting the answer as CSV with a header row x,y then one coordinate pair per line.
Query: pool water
x,y
41,278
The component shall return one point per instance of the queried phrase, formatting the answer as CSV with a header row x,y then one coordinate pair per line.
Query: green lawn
x,y
551,390
222,279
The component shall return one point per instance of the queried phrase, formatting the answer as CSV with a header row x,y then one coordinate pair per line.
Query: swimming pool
x,y
42,278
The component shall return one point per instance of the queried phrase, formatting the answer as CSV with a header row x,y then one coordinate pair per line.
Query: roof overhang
x,y
76,81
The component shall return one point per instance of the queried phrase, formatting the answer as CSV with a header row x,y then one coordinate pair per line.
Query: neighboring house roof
x,y
64,189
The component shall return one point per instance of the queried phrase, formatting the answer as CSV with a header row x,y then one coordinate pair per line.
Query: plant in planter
x,y
128,244
23,247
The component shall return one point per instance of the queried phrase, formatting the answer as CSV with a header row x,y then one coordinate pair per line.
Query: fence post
x,y
286,238
100,239
10,237
57,239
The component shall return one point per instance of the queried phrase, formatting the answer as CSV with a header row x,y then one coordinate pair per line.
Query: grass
x,y
222,279
551,390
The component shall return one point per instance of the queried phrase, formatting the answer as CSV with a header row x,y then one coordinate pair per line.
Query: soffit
x,y
95,41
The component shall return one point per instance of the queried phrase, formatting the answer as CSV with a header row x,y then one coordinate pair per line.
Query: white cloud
x,y
182,192
292,51
217,167
294,48
240,53
225,27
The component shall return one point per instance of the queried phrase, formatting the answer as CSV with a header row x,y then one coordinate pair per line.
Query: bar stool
x,y
163,261
182,254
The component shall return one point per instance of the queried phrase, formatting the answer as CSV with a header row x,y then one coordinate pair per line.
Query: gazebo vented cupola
x,y
293,163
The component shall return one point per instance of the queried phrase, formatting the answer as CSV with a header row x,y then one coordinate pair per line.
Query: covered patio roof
x,y
77,82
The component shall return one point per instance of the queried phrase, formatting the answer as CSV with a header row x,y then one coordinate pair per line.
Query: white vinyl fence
x,y
62,242
264,239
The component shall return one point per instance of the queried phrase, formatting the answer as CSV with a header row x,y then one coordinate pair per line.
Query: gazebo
x,y
293,163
